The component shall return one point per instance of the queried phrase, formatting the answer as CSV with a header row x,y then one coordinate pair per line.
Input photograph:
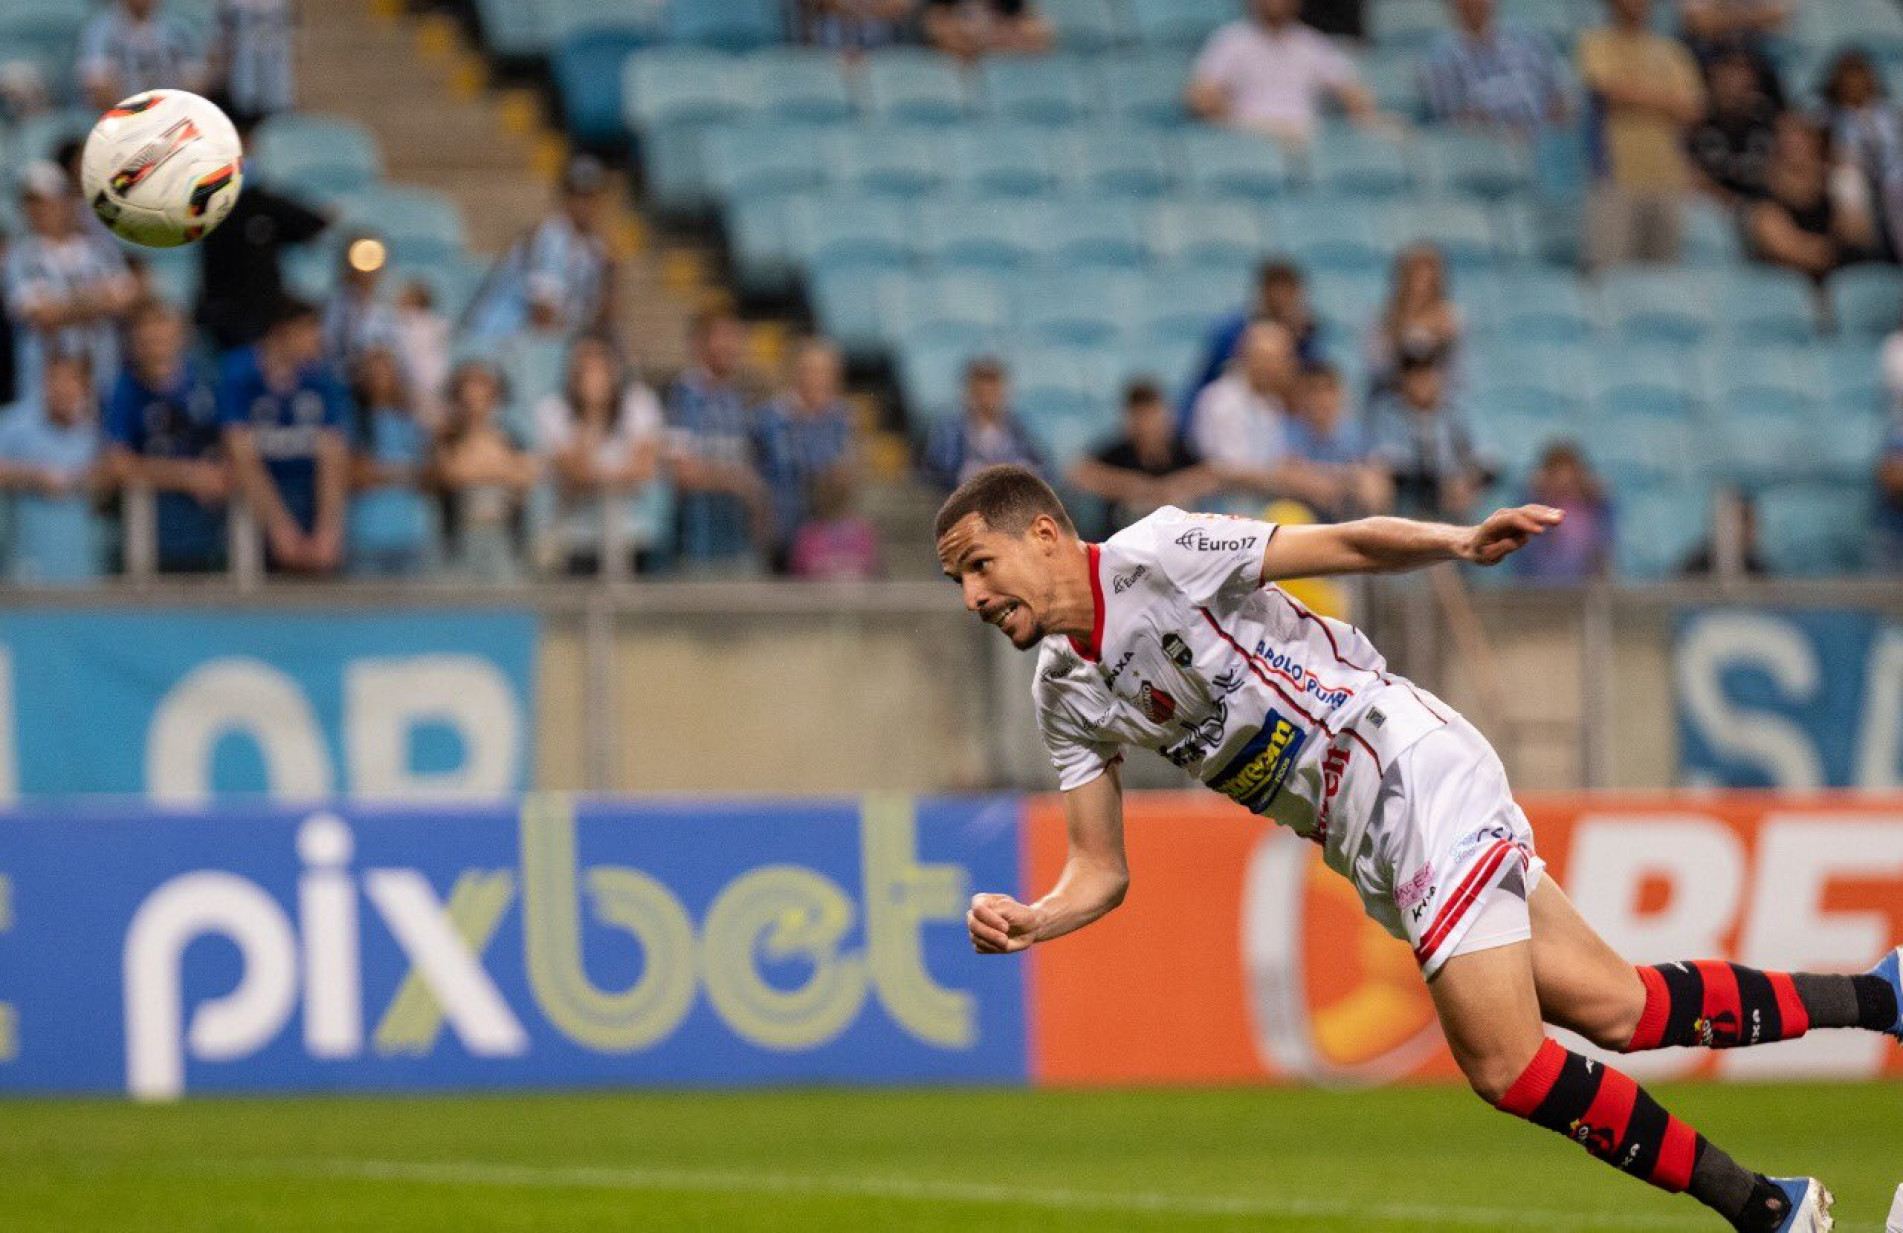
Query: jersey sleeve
x,y
1078,755
1209,556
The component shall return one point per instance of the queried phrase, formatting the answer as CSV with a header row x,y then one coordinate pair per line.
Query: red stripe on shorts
x,y
1463,899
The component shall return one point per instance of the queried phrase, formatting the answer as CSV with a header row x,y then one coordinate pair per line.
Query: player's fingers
x,y
984,933
990,916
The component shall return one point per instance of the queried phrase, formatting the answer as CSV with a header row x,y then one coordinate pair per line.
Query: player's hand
x,y
1508,531
1000,925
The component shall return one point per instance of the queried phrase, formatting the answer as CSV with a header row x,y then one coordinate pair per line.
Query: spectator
x,y
485,474
254,57
1742,513
723,508
834,544
1866,139
1889,530
164,432
1798,224
1321,434
970,29
241,263
1423,442
1148,466
354,318
1419,317
1579,548
601,437
132,46
1240,427
854,26
1270,73
23,89
802,435
284,416
987,434
1714,29
1731,147
1484,73
422,343
65,293
1281,296
1346,19
388,528
1645,97
49,456
559,278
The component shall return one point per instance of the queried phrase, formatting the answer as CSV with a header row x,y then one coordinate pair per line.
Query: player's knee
x,y
1616,1016
1493,1074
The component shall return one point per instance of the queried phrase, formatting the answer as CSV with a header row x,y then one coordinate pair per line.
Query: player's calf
x,y
1717,1005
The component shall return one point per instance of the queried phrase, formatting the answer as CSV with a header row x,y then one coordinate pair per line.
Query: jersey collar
x,y
1093,650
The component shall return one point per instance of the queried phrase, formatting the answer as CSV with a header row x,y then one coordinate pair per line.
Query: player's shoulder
x,y
1065,680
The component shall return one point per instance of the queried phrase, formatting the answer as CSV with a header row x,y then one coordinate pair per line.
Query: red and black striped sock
x,y
1725,1006
1618,1122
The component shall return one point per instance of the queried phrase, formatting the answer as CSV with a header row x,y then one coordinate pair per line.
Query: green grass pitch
x,y
1407,1159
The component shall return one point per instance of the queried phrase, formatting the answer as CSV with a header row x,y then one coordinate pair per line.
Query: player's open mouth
x,y
1004,614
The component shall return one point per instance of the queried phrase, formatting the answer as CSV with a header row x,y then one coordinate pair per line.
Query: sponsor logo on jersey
x,y
1292,670
1333,767
1228,681
1417,891
1110,677
1178,650
1156,704
1123,582
1254,776
1201,541
1472,841
1376,718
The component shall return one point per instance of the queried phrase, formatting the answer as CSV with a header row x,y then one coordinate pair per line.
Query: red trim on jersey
x,y
1265,677
1094,651
1463,900
1303,612
1417,697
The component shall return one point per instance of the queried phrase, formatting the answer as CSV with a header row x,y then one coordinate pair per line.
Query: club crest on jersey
x,y
1254,776
1156,705
1178,650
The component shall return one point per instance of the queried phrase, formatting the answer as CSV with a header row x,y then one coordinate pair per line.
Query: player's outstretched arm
x,y
1093,882
1391,545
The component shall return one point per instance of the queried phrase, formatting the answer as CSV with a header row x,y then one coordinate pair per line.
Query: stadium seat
x,y
1813,530
1079,308
1348,300
1052,90
1767,380
1710,238
910,86
1180,310
1144,89
1853,380
1169,362
1763,305
301,151
931,378
834,233
1067,425
798,85
1559,20
1219,163
1132,162
1088,26
736,25
1462,230
1207,232
1636,382
1656,529
1350,162
1337,234
668,85
1089,232
562,19
1472,164
957,234
1866,301
1393,76
586,66
418,224
1658,305
1407,25
767,159
1178,23
512,30
935,306
1850,450
846,305
1759,438
1046,369
1539,306
760,241
1556,376
1636,451
893,161
1513,429
1006,160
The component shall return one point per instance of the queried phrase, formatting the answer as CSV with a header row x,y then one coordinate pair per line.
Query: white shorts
x,y
1451,866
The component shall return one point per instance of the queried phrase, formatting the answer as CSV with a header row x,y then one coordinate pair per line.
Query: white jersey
x,y
1292,715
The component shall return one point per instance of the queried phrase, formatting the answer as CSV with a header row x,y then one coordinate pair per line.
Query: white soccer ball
x,y
163,168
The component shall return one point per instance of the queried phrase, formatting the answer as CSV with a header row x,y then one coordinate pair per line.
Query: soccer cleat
x,y
1810,1205
1891,972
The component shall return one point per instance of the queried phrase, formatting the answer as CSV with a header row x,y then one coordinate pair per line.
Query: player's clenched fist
x,y
1000,925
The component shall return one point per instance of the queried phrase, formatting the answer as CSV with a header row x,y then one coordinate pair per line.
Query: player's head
x,y
1006,539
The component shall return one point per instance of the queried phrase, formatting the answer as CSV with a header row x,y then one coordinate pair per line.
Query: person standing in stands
x,y
254,58
49,462
132,46
388,527
600,436
162,423
1483,73
558,279
986,433
284,415
800,436
241,282
1424,443
1269,73
66,294
724,510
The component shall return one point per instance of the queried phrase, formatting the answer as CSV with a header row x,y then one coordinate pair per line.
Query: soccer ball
x,y
162,168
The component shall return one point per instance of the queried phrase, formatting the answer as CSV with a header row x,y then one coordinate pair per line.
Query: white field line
x,y
918,1190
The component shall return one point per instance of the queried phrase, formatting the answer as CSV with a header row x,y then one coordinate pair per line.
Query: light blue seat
x,y
1407,25
1170,362
846,305
910,86
586,66
1207,232
1764,305
737,25
672,86
562,19
1178,23
1088,231
938,305
893,161
974,235
932,376
513,30
1223,163
1144,89
1866,301
1068,426
1462,230
1348,299
1392,75
1179,310
1540,306
759,233
1050,90
418,224
1559,20
1657,305
1710,239
1760,439
1458,161
1006,160
798,85
833,233
1555,376
1641,450
1076,308
1514,430
1764,379
767,159
1087,25
1049,369
1656,529
1855,443
1635,381
1814,530
298,150
1853,381
1335,234
1352,162
1132,162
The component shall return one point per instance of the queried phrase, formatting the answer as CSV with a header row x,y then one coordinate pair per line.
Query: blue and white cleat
x,y
1891,971
1810,1205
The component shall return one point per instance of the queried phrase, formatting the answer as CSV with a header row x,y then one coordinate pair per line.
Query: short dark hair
x,y
1321,370
1278,270
1142,392
1008,498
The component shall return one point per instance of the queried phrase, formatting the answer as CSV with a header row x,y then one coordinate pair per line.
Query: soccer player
x,y
1172,636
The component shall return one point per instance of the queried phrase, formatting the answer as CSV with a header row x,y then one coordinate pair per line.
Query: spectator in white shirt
x,y
133,46
1240,427
1270,73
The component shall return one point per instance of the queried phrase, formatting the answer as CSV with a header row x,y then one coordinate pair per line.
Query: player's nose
x,y
975,596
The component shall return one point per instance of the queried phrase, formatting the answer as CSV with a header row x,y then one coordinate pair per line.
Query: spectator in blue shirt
x,y
1483,73
1423,442
559,278
66,291
355,318
1282,297
284,415
724,508
132,46
164,433
1323,435
854,26
803,435
254,57
388,528
49,455
987,434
